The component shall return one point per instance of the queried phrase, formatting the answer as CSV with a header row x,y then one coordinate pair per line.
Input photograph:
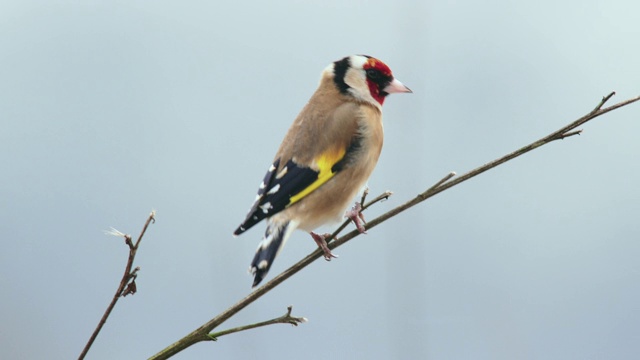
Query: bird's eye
x,y
373,74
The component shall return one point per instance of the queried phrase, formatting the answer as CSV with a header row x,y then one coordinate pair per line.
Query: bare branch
x,y
284,319
201,333
127,283
440,187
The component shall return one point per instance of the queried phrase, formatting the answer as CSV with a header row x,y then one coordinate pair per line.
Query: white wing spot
x,y
263,185
274,189
266,207
282,173
271,168
264,244
263,264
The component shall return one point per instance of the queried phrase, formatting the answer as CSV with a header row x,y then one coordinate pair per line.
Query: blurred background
x,y
111,109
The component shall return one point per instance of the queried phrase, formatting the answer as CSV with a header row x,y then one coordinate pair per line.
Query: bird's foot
x,y
355,215
322,244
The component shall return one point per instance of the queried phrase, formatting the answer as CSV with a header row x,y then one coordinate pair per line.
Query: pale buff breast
x,y
328,203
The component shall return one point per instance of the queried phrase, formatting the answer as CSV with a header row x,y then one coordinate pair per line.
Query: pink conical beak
x,y
396,87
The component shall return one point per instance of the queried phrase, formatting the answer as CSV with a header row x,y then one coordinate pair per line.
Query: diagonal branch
x,y
201,333
556,135
127,283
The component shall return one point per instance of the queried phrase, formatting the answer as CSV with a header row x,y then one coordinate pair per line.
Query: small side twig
x,y
571,133
441,181
602,102
364,196
127,284
284,319
382,197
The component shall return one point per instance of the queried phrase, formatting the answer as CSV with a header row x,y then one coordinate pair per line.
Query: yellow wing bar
x,y
325,163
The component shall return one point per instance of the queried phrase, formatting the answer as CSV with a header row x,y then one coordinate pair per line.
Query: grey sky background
x,y
110,109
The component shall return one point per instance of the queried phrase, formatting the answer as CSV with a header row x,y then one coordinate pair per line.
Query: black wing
x,y
276,190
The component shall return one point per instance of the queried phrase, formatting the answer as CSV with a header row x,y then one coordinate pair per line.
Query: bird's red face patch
x,y
378,77
374,63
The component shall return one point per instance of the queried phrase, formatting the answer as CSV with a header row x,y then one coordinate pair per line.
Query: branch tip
x,y
287,318
364,196
382,197
603,101
440,182
570,133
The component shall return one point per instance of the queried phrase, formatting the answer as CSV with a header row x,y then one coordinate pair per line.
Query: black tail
x,y
273,240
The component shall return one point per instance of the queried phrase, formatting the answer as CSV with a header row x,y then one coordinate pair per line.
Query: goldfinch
x,y
325,158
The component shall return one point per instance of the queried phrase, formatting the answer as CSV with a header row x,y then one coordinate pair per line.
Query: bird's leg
x,y
355,215
322,244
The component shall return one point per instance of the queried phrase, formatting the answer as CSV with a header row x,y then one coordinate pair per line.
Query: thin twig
x,y
571,133
364,196
284,319
442,181
200,334
602,102
382,197
127,283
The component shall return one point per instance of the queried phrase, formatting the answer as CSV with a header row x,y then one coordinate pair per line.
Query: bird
x,y
325,159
